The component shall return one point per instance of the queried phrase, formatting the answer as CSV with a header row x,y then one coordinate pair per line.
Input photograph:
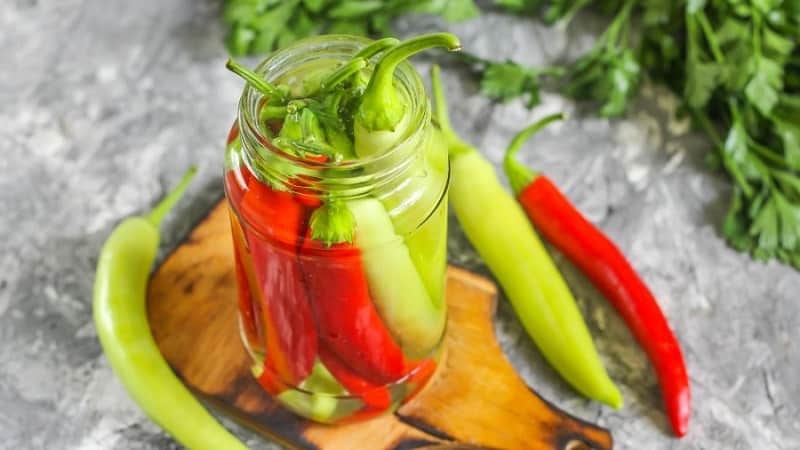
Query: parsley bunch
x,y
736,65
260,26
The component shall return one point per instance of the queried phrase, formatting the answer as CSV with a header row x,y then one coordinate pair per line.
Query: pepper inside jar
x,y
337,183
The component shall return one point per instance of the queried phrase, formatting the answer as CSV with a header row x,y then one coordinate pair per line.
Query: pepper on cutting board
x,y
120,317
604,264
499,230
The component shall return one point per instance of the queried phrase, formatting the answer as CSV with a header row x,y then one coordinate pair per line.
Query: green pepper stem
x,y
310,127
381,109
255,81
157,214
342,73
332,223
377,47
269,112
455,146
519,176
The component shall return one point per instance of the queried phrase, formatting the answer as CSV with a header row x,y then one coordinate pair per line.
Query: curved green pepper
x,y
505,239
120,318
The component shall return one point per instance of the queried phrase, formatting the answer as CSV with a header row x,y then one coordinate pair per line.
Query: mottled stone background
x,y
103,104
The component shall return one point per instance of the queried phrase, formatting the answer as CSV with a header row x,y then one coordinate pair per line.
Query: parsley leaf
x,y
508,80
518,5
700,83
763,88
790,136
260,26
610,73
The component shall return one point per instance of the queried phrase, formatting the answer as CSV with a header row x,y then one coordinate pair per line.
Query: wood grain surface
x,y
475,400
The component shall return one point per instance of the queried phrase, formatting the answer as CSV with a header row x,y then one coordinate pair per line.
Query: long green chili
x,y
120,318
502,234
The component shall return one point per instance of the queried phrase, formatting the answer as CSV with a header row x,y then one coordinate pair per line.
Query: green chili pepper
x,y
382,119
120,317
500,231
376,47
415,319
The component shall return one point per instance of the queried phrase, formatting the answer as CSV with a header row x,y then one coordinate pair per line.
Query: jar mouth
x,y
348,178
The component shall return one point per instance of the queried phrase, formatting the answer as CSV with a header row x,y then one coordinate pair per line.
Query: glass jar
x,y
349,331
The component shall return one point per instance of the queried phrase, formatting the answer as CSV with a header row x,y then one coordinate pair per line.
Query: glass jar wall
x,y
347,330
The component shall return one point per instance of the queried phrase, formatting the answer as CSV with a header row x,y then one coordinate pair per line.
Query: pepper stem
x,y
455,146
376,47
342,73
518,175
157,214
381,109
255,81
333,223
272,112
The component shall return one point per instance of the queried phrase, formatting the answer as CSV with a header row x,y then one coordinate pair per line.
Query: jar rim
x,y
381,167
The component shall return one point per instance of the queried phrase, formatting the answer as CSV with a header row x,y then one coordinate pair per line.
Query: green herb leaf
x,y
518,5
732,30
355,8
777,43
701,80
763,88
450,10
766,6
624,80
789,223
381,24
459,10
239,40
694,6
508,80
348,27
735,226
790,136
736,143
765,227
314,6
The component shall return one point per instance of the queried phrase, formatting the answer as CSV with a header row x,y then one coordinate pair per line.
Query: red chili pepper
x,y
365,413
347,320
248,300
233,133
419,376
276,222
250,312
269,379
374,395
603,263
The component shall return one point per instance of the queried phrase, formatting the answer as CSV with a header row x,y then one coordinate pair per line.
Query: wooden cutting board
x,y
475,397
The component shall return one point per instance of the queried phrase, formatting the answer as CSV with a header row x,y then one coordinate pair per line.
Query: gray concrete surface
x,y
104,103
